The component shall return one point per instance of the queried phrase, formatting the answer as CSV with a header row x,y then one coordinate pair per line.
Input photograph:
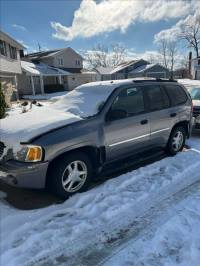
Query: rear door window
x,y
157,97
176,94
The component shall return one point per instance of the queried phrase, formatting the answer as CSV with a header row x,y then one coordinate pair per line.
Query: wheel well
x,y
184,124
96,155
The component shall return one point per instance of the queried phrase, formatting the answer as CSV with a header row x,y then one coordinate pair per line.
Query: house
x,y
10,66
67,59
195,68
133,69
149,70
52,71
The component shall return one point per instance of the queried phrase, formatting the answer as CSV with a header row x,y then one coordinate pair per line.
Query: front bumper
x,y
26,175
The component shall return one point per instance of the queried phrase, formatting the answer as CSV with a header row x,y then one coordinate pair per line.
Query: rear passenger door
x,y
161,117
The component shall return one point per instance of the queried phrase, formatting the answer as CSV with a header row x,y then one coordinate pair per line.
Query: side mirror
x,y
116,114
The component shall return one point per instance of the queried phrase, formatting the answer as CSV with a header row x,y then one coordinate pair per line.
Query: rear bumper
x,y
26,175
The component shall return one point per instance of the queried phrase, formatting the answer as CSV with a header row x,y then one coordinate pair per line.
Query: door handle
x,y
143,122
173,115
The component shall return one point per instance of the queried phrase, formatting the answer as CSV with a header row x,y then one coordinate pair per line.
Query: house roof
x,y
41,69
143,68
112,70
104,70
4,36
49,53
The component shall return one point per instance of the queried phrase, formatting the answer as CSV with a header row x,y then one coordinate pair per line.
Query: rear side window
x,y
158,99
176,94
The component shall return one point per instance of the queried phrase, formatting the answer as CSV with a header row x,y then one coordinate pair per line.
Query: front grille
x,y
2,146
196,111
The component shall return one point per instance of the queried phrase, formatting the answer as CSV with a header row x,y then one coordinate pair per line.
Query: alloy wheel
x,y
74,176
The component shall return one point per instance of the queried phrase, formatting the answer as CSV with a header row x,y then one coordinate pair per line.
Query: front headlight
x,y
29,153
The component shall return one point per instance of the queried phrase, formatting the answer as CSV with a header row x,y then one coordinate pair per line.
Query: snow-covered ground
x,y
88,228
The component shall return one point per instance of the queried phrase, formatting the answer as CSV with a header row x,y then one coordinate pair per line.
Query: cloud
x,y
19,27
93,18
173,33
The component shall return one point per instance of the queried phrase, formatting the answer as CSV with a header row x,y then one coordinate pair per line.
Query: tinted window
x,y
177,94
158,99
130,100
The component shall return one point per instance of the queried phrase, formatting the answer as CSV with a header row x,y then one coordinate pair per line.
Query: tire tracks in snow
x,y
99,243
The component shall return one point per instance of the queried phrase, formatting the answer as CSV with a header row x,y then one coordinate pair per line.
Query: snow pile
x,y
86,220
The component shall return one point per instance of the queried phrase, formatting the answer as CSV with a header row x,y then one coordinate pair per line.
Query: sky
x,y
136,24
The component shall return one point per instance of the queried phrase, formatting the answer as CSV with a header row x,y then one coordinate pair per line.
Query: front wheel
x,y
71,174
176,140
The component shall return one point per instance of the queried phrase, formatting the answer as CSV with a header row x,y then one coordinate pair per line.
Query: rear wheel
x,y
176,140
70,174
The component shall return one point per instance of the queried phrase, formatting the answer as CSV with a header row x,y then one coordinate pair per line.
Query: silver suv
x,y
115,119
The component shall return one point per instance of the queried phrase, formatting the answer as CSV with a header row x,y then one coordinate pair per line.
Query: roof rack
x,y
154,80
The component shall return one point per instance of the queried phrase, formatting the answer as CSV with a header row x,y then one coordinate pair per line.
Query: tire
x,y
75,169
176,140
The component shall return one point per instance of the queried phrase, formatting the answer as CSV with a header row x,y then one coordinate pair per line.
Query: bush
x,y
51,88
2,103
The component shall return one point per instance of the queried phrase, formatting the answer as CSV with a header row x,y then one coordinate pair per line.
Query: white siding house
x,y
195,68
10,65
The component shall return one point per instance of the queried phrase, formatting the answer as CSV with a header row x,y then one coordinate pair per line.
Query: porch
x,y
41,78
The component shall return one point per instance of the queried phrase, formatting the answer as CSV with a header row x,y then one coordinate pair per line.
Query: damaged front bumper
x,y
21,174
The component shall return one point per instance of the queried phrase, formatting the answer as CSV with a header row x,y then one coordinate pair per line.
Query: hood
x,y
21,127
196,103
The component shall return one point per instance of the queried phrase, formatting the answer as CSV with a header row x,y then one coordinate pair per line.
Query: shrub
x,y
2,103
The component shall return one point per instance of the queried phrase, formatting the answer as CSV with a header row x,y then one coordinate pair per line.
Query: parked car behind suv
x,y
195,94
100,123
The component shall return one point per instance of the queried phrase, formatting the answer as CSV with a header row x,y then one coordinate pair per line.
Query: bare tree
x,y
168,51
102,56
163,50
190,32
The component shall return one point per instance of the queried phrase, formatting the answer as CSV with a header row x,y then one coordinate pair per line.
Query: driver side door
x,y
130,133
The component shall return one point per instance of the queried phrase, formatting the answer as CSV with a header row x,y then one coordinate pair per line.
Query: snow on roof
x,y
41,69
123,65
142,68
104,70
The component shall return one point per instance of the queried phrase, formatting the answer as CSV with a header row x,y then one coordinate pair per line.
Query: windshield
x,y
85,100
195,93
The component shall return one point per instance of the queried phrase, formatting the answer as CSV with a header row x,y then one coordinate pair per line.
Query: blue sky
x,y
82,24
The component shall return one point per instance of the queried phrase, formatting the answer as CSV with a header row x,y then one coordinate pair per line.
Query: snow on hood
x,y
21,127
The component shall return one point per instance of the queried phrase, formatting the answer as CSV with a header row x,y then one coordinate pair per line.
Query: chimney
x,y
190,63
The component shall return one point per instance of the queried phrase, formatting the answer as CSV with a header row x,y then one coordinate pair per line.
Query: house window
x,y
199,62
60,61
13,52
78,63
3,50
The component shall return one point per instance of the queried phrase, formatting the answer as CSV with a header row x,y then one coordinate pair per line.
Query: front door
x,y
127,127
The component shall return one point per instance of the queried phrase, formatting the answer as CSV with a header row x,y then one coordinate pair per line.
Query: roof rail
x,y
154,80
166,80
